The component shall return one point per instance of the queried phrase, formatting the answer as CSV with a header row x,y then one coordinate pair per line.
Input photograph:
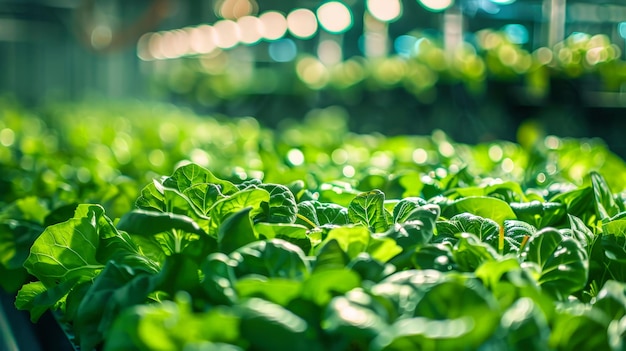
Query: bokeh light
x,y
436,5
404,45
621,28
154,46
295,157
143,47
250,29
312,72
202,39
226,34
174,43
283,50
516,33
274,25
302,23
335,17
235,9
101,37
385,10
329,52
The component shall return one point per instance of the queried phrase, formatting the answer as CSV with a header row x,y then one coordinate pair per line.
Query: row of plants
x,y
308,237
483,57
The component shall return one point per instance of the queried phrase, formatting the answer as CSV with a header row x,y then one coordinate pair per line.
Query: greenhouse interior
x,y
304,175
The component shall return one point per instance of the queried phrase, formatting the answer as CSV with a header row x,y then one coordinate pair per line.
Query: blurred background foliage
x,y
476,69
105,152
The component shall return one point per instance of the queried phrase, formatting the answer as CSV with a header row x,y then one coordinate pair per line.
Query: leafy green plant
x,y
199,249
334,241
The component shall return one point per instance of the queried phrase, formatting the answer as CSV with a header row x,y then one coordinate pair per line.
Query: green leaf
x,y
509,282
191,174
38,298
485,229
236,231
330,213
293,233
506,191
354,240
322,285
21,222
434,256
419,333
612,299
514,233
539,214
426,214
282,204
469,252
408,237
307,210
271,258
421,279
604,201
203,196
330,255
337,192
277,290
579,203
405,206
150,223
252,198
123,249
68,250
370,269
218,280
492,273
171,326
320,213
411,183
402,290
525,326
451,314
617,334
271,327
580,232
562,265
614,240
16,238
486,207
383,249
156,197
368,209
459,298
579,329
179,272
117,287
355,317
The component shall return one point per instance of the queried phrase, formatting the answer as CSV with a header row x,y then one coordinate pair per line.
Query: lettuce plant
x,y
202,262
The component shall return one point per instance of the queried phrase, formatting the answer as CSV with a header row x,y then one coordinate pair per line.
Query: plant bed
x,y
314,238
205,263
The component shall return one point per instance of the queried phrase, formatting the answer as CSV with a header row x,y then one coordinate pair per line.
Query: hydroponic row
x,y
147,227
